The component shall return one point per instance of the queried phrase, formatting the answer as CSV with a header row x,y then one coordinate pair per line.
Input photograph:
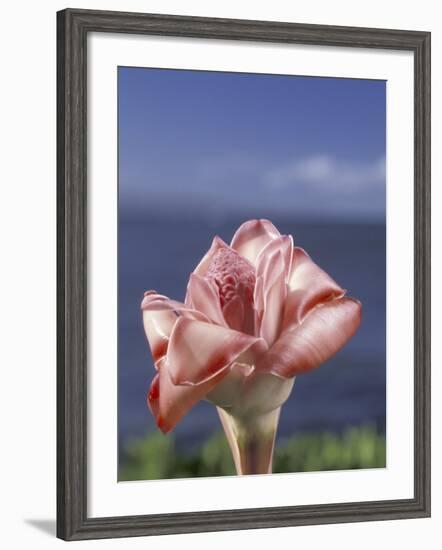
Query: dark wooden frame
x,y
73,27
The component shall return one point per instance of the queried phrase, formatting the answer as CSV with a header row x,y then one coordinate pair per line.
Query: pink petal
x,y
258,301
203,296
199,351
324,331
159,317
169,403
283,244
309,286
274,301
251,238
201,268
234,313
271,291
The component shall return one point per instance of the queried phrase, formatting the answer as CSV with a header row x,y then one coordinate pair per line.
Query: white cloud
x,y
327,173
316,186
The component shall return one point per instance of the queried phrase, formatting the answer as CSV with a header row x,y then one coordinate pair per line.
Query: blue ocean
x,y
349,390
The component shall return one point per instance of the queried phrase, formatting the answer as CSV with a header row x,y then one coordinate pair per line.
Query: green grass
x,y
156,457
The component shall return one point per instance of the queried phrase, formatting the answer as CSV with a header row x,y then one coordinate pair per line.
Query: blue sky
x,y
210,144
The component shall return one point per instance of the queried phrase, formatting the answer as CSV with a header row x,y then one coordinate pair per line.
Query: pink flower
x,y
256,314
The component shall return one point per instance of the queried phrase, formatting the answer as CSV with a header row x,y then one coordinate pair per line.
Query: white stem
x,y
251,440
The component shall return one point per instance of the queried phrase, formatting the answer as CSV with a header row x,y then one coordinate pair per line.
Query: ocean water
x,y
349,390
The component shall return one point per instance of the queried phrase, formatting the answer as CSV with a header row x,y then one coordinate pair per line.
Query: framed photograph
x,y
243,274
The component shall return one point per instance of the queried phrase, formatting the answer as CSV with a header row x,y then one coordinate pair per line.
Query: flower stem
x,y
251,440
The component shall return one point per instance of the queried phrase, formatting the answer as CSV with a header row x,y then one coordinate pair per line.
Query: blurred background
x,y
199,154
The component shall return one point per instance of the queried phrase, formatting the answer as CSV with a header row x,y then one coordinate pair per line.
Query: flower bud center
x,y
233,275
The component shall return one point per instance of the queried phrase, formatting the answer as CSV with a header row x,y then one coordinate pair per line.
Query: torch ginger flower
x,y
256,314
